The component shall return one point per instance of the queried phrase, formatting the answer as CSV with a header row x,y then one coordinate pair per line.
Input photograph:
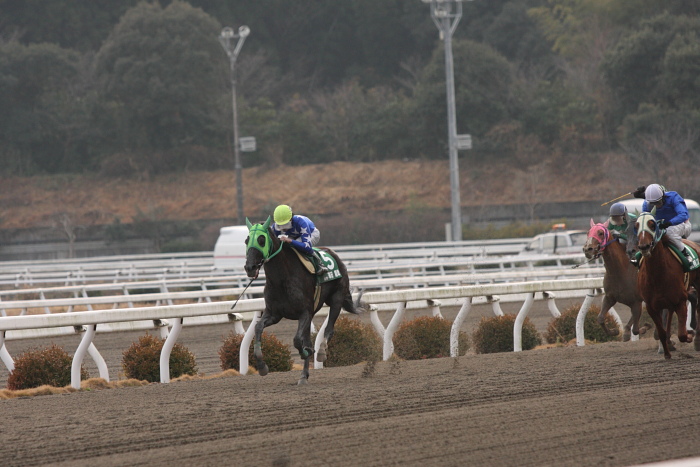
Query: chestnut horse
x,y
292,292
620,281
661,281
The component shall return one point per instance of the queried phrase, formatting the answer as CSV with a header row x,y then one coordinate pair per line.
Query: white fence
x,y
362,259
251,310
85,297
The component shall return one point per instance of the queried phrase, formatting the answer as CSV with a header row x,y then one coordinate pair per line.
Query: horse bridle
x,y
606,240
255,231
261,229
643,220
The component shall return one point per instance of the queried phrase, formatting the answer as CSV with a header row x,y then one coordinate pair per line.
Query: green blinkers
x,y
255,232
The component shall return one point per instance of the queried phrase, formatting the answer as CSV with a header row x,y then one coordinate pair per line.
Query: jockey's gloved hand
x,y
664,224
639,192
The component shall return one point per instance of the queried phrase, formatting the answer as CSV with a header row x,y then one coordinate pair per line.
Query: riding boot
x,y
686,253
321,268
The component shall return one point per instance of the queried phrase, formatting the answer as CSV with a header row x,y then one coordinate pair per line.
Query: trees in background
x,y
160,81
130,88
40,94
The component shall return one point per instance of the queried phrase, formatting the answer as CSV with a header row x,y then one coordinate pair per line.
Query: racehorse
x,y
661,281
292,292
620,281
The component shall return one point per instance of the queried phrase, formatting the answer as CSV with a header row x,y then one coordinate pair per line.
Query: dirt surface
x,y
607,404
339,187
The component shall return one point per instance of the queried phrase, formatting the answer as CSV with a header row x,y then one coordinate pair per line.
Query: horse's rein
x,y
246,288
586,262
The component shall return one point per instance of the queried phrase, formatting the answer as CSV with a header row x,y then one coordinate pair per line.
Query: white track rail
x,y
191,265
250,310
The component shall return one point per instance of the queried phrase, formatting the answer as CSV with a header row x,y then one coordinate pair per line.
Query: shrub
x,y
563,329
495,334
426,337
43,366
353,342
142,360
277,355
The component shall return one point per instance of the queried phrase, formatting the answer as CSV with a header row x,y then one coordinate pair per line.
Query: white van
x,y
229,250
635,204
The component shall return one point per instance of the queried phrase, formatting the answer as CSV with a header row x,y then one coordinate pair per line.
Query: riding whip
x,y
239,297
585,262
619,197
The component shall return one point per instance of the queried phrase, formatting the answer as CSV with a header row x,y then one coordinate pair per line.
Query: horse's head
x,y
648,232
598,239
632,246
260,246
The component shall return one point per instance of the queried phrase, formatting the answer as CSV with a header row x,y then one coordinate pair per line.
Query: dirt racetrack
x,y
607,404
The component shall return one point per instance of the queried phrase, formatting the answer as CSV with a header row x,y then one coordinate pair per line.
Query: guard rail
x,y
428,296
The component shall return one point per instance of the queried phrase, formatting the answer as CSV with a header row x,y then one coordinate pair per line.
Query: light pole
x,y
446,15
225,38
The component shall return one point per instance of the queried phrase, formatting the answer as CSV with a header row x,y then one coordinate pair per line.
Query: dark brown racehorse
x,y
290,292
661,281
620,281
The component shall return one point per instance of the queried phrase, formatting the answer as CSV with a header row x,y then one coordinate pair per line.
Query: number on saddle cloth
x,y
329,263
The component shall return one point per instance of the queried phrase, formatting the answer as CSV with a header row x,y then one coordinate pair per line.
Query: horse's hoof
x,y
626,337
263,370
667,356
302,382
321,354
671,346
614,332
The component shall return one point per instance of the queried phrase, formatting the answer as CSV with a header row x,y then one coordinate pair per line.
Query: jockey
x,y
619,221
299,232
671,213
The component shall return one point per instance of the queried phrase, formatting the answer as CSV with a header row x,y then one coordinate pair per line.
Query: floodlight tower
x,y
446,15
225,38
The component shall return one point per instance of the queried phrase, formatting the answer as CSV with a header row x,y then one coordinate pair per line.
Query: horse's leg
x,y
266,320
607,304
660,331
666,319
636,310
682,312
302,342
333,314
695,317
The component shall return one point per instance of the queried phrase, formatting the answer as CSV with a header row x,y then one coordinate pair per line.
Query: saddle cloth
x,y
330,263
687,266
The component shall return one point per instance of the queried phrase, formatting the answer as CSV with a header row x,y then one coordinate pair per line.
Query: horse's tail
x,y
356,307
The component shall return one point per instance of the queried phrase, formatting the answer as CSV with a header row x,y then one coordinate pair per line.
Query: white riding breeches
x,y
315,237
676,232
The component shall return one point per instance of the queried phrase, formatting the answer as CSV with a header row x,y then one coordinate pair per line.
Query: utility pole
x,y
446,15
225,38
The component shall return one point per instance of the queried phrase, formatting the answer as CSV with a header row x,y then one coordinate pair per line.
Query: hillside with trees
x,y
137,90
